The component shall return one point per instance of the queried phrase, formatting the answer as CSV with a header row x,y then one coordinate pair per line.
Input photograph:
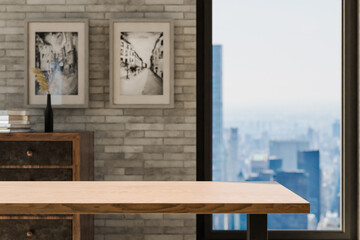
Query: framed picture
x,y
141,63
57,49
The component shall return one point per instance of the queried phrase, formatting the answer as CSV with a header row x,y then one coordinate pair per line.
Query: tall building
x,y
287,151
309,162
232,166
313,138
275,163
217,115
296,181
259,163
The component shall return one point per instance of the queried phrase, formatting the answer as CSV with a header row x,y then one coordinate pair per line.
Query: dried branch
x,y
41,79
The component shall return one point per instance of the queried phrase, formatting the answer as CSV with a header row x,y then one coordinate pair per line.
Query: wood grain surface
x,y
148,197
41,136
49,162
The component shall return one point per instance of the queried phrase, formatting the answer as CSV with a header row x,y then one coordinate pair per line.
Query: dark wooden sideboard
x,y
47,157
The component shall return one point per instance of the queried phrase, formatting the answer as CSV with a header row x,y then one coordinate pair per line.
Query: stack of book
x,y
14,121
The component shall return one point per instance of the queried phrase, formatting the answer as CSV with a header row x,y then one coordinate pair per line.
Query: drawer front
x,y
36,229
35,174
35,153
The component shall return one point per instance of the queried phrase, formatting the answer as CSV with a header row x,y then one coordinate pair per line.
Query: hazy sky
x,y
282,54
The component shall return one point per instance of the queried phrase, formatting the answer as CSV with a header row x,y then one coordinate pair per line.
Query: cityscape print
x,y
142,68
56,55
303,153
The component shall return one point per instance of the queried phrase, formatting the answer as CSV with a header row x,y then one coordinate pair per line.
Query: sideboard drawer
x,y
36,174
40,156
42,229
35,153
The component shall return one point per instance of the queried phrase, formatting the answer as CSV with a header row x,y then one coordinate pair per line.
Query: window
x,y
281,103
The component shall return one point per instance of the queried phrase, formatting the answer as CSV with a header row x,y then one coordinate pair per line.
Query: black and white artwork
x,y
56,55
141,63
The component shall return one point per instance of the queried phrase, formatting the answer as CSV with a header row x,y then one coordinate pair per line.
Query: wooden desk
x,y
257,199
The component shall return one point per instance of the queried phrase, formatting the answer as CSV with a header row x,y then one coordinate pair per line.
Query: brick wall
x,y
130,144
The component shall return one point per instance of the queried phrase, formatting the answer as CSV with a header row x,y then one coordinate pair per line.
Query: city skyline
x,y
277,102
301,153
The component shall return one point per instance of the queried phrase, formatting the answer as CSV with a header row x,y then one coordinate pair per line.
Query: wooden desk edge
x,y
103,208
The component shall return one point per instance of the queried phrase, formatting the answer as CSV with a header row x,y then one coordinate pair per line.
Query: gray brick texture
x,y
130,144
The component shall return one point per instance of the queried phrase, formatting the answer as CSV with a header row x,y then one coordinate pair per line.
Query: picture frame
x,y
141,63
59,48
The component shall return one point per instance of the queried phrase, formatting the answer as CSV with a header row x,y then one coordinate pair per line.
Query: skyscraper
x,y
259,163
287,151
232,165
275,163
309,162
220,221
296,181
217,115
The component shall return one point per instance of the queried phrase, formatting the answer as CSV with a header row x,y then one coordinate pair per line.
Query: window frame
x,y
349,128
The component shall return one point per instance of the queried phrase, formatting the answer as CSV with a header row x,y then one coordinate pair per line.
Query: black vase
x,y
49,117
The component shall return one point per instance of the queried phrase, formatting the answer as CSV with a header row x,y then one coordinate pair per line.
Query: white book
x,y
10,125
14,118
14,112
14,130
15,122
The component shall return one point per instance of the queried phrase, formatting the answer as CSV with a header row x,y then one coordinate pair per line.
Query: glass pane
x,y
277,104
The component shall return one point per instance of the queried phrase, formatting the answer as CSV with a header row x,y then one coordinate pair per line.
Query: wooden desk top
x,y
148,197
